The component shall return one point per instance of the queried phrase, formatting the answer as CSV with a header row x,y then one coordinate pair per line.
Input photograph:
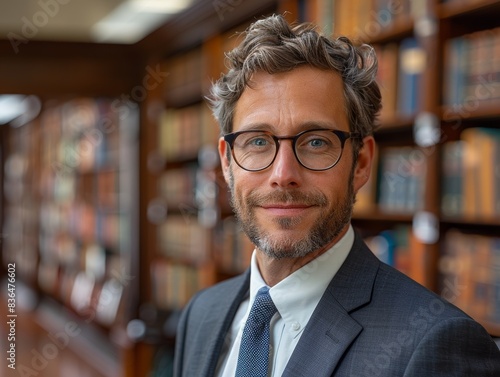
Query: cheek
x,y
239,185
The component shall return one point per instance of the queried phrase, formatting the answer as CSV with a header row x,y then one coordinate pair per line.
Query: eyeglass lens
x,y
315,149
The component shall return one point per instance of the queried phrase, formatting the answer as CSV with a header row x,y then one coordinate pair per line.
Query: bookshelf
x,y
71,186
469,186
70,199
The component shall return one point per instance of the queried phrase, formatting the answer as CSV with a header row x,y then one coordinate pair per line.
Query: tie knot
x,y
263,307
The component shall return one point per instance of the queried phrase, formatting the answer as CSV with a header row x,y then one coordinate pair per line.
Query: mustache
x,y
257,199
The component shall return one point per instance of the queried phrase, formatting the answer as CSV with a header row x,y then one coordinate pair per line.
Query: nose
x,y
286,171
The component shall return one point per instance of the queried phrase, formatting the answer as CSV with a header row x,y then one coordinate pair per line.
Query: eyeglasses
x,y
318,149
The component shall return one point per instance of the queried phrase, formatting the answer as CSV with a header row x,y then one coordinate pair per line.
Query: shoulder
x,y
395,291
456,345
225,288
222,294
409,298
413,328
391,299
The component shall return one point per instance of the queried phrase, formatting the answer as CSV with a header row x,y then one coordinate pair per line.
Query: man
x,y
297,113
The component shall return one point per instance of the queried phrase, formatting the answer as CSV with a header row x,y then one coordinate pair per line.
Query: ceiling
x,y
78,20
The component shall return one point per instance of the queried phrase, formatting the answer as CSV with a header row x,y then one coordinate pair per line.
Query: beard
x,y
327,226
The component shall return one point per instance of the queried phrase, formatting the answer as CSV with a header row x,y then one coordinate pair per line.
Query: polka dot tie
x,y
253,358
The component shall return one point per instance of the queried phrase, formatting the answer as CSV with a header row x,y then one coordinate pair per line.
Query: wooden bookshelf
x,y
73,205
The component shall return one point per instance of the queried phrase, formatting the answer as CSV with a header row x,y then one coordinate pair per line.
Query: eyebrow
x,y
301,127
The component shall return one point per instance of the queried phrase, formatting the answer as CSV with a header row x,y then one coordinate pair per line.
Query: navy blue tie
x,y
253,358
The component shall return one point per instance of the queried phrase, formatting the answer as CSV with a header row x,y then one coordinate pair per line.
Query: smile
x,y
285,209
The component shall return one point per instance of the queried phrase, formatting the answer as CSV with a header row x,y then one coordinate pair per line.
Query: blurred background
x,y
113,209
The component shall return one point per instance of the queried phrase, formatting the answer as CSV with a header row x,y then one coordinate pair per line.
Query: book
x,y
470,274
480,164
401,179
412,62
366,197
452,178
471,65
387,80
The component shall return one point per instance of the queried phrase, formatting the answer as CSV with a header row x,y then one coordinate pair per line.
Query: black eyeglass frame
x,y
342,135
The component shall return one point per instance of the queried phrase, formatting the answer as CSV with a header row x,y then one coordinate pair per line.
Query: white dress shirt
x,y
295,297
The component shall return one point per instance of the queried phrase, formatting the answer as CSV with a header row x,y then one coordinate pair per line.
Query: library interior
x,y
114,210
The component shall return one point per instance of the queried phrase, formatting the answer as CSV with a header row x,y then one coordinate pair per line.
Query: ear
x,y
364,163
223,153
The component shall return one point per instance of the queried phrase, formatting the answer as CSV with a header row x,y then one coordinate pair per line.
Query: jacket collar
x,y
220,319
331,329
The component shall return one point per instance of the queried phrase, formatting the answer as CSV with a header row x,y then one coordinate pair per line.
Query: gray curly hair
x,y
273,45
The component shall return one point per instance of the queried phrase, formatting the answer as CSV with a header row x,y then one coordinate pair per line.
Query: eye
x,y
316,143
258,141
255,140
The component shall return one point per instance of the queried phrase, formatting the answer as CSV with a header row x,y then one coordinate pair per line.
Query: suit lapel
x,y
218,321
331,329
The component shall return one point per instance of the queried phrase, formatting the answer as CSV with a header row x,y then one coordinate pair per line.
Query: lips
x,y
286,209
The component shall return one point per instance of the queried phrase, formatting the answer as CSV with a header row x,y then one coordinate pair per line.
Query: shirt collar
x,y
298,294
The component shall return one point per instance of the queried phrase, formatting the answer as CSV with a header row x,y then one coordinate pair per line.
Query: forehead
x,y
292,101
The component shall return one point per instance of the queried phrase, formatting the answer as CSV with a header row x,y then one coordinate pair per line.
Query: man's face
x,y
287,210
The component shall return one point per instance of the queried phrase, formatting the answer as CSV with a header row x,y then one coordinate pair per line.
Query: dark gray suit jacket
x,y
371,321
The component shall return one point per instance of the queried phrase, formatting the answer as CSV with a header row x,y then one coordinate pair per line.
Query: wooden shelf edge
x,y
458,8
463,220
401,27
379,215
395,123
472,111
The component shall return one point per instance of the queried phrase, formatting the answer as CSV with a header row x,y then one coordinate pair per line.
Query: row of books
x,y
399,248
81,221
366,20
173,284
471,175
183,131
93,299
392,247
100,187
401,179
19,202
400,70
67,254
185,70
19,239
470,274
81,135
70,221
472,69
177,186
182,237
